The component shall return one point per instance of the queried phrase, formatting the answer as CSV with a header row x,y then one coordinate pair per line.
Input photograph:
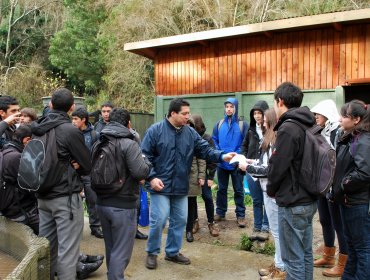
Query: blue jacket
x,y
90,136
229,138
171,152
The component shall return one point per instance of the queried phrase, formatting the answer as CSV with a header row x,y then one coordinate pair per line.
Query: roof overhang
x,y
149,48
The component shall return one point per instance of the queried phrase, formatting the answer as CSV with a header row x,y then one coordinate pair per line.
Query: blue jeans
x,y
163,207
119,228
259,212
356,221
223,183
295,233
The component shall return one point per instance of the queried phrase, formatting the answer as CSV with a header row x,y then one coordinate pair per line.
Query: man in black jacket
x,y
117,211
296,206
60,208
10,115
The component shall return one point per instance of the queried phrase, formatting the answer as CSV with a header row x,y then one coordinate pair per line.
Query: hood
x,y
89,128
328,109
51,120
117,130
301,114
260,105
233,101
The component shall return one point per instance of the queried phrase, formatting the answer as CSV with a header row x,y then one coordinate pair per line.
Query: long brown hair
x,y
270,135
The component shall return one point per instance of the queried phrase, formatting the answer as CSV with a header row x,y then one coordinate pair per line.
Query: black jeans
x,y
192,212
331,223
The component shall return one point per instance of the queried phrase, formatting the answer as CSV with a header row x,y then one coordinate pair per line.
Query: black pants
x,y
192,212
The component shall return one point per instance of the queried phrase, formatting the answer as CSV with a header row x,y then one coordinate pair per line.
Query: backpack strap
x,y
240,122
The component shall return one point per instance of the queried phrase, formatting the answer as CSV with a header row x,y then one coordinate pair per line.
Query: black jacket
x,y
136,168
351,183
22,200
287,157
6,133
99,126
71,146
251,143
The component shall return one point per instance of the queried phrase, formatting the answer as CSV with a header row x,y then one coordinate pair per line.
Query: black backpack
x,y
108,174
39,164
317,169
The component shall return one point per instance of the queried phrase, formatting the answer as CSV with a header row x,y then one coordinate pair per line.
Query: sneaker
x,y
97,232
196,226
263,235
254,234
275,274
90,258
241,222
85,269
213,230
266,271
179,258
219,218
151,261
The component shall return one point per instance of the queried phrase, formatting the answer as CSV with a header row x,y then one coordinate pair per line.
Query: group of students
x,y
171,150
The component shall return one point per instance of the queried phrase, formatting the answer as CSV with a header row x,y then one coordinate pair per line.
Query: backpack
x,y
241,125
39,168
317,168
107,174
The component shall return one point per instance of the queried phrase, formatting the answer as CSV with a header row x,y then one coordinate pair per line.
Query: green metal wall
x,y
210,106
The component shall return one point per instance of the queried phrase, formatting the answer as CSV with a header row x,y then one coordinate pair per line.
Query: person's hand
x,y
142,182
209,183
243,166
13,119
201,182
156,184
227,157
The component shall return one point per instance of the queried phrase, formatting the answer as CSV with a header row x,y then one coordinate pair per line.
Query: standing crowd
x,y
177,161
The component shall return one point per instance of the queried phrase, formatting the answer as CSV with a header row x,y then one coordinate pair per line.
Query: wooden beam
x,y
337,26
203,43
351,82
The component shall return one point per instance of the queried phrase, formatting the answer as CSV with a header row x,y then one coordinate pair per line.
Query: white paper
x,y
239,159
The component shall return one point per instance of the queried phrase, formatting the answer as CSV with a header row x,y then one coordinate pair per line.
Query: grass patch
x,y
266,248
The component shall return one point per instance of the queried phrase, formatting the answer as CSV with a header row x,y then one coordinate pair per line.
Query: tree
x,y
75,50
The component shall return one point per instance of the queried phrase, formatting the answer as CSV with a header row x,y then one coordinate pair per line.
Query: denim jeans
x,y
295,232
259,212
356,221
119,228
163,207
272,213
223,182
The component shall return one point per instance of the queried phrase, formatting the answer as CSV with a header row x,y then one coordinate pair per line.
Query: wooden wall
x,y
313,59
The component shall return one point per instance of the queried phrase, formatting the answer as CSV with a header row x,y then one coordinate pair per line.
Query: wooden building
x,y
327,55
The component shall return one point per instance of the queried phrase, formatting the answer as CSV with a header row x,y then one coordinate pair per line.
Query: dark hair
x,y
357,109
6,101
29,112
199,124
176,104
62,99
81,113
269,134
107,104
21,132
291,95
119,115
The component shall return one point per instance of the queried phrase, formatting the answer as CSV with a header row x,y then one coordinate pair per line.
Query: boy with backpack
x,y
296,205
80,119
58,186
118,166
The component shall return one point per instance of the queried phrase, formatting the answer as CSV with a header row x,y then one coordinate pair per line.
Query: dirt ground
x,y
215,258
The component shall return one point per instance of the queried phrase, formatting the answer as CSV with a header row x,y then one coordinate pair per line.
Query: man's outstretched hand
x,y
227,157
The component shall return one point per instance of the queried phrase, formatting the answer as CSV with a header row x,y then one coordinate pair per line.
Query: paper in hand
x,y
238,159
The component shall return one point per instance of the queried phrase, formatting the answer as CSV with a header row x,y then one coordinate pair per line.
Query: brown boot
x,y
213,230
327,259
338,269
195,226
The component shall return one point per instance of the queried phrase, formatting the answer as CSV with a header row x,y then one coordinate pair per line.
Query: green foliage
x,y
245,243
267,249
248,201
76,50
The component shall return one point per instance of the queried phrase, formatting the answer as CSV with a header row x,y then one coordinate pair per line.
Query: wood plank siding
x,y
313,59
